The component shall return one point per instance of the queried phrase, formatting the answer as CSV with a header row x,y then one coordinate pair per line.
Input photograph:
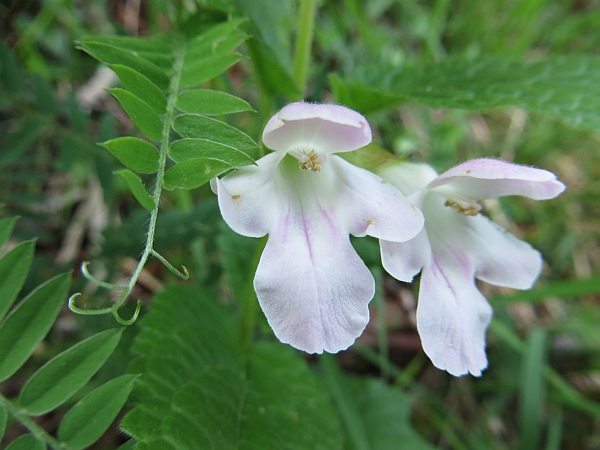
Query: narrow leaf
x,y
77,118
29,322
113,55
142,87
44,93
217,40
134,45
193,173
205,101
6,229
91,417
14,267
65,374
26,442
140,113
206,48
11,75
206,69
137,188
532,389
201,127
2,421
137,154
185,149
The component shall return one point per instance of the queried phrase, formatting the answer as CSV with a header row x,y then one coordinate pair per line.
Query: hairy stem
x,y
304,40
28,423
250,305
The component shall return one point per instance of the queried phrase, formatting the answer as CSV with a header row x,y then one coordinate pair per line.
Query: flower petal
x,y
312,286
452,315
408,177
320,127
373,207
498,256
483,178
403,260
247,197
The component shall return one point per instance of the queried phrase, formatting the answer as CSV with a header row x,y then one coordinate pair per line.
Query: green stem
x,y
250,305
35,429
304,40
382,337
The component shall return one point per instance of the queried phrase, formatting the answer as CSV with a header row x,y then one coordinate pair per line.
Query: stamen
x,y
471,210
310,161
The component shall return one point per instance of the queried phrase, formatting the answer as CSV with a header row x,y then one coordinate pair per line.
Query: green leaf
x,y
29,322
140,113
209,48
113,55
14,267
21,139
185,149
26,442
217,40
137,188
12,75
137,154
193,173
206,69
201,127
209,397
2,421
567,87
44,94
212,103
77,118
141,87
90,418
375,415
532,389
131,444
65,374
134,45
6,228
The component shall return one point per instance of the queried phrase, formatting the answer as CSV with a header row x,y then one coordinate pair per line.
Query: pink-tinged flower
x,y
458,245
312,286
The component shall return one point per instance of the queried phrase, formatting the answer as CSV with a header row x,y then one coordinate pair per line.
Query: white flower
x,y
311,284
458,245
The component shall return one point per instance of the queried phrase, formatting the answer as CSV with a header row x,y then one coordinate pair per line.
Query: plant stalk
x,y
304,40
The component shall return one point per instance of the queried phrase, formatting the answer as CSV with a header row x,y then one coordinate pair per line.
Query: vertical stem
x,y
304,40
250,305
382,337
